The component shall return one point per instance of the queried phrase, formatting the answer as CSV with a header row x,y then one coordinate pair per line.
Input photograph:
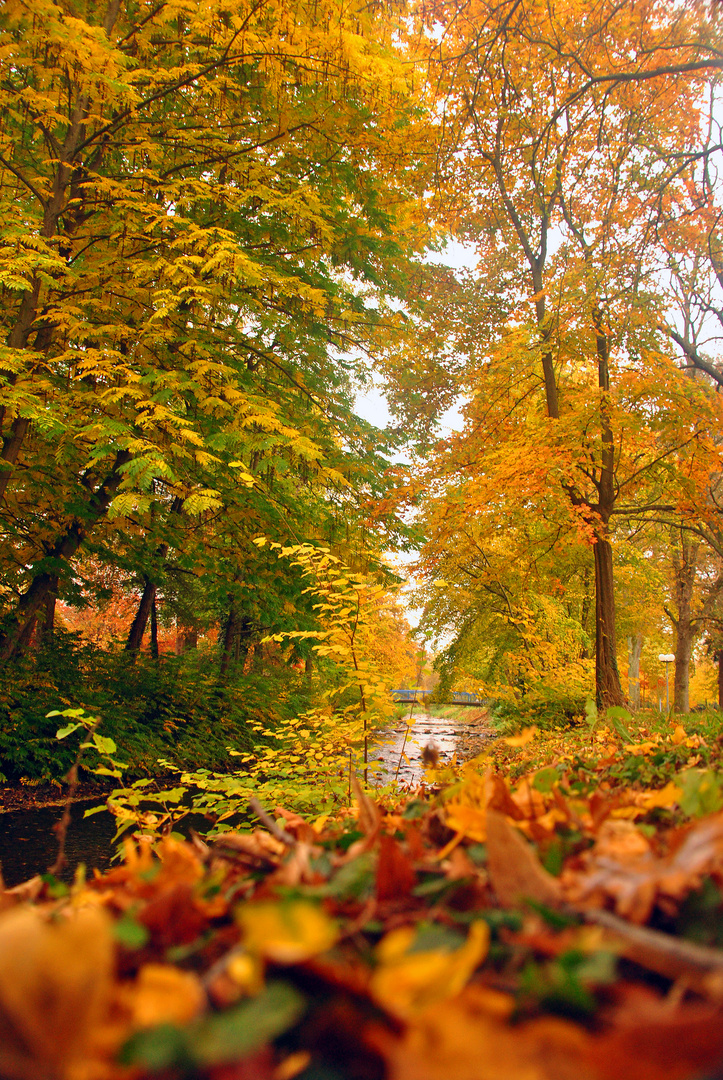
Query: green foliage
x,y
547,711
218,1038
173,708
307,761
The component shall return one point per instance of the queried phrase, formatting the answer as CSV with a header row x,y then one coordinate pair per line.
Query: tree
x,y
205,208
557,152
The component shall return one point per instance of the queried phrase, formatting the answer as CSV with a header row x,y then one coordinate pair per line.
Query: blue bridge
x,y
415,694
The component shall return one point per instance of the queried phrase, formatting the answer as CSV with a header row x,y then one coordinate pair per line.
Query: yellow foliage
x,y
286,932
407,981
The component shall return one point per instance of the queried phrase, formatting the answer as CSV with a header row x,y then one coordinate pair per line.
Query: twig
x,y
270,824
409,721
61,827
668,956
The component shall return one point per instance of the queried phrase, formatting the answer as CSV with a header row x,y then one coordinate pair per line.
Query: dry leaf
x,y
55,984
515,871
407,982
163,994
286,933
395,873
468,1038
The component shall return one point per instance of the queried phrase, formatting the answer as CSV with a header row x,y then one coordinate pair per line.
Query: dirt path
x,y
464,733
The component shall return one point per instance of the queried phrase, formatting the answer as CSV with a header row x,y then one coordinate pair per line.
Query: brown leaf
x,y
369,816
395,873
515,871
468,1038
677,1047
622,868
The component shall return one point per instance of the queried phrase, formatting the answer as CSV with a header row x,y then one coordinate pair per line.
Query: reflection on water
x,y
401,753
28,845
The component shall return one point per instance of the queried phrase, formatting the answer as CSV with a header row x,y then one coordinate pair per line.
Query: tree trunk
x,y
681,679
608,690
231,634
13,637
719,658
685,567
635,648
186,639
140,621
154,629
148,599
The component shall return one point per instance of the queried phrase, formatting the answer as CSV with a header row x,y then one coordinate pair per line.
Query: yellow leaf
x,y
665,797
164,994
470,821
247,972
678,735
55,982
640,749
286,932
522,739
405,983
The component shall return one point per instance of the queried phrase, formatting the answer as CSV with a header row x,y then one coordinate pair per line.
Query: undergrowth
x,y
173,708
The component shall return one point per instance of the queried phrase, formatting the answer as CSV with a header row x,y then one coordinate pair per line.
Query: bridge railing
x,y
457,697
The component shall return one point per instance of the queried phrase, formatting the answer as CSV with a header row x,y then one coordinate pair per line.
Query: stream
x,y
28,845
401,752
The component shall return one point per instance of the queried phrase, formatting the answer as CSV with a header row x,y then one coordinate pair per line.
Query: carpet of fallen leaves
x,y
423,939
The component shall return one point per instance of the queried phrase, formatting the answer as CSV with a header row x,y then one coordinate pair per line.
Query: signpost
x,y
666,658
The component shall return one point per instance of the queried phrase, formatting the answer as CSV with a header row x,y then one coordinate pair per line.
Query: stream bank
x,y
448,730
28,843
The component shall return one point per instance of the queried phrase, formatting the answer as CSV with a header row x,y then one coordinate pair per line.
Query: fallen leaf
x,y
395,873
55,985
407,981
515,871
468,1038
522,739
286,932
163,994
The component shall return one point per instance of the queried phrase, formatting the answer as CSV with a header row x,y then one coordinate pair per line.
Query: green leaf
x,y
103,744
61,733
130,933
227,1036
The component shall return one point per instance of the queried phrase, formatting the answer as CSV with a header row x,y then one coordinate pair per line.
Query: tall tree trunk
x,y
635,648
685,567
154,630
681,679
148,598
608,690
186,638
719,658
12,637
138,626
231,634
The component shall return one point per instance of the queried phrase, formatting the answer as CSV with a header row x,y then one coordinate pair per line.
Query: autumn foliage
x,y
418,937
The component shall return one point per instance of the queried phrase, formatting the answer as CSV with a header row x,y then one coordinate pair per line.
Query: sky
x,y
372,406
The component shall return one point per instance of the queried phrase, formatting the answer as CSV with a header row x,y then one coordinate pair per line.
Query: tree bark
x,y
154,630
681,678
186,639
685,567
635,648
12,637
608,690
719,658
148,599
229,647
140,621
